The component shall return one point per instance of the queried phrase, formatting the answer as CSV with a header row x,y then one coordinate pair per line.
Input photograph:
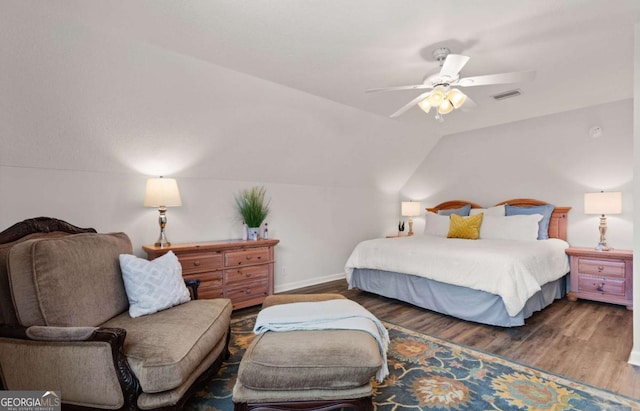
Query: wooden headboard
x,y
557,224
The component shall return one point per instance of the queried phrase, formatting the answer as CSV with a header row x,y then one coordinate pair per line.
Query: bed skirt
x,y
460,302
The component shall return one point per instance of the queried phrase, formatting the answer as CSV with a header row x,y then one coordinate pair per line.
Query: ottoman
x,y
318,369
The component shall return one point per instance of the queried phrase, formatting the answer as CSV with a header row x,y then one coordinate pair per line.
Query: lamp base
x,y
603,247
162,220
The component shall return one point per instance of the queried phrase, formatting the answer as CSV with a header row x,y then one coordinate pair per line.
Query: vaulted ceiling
x,y
581,50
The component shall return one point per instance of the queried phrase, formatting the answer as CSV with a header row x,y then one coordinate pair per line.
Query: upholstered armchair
x,y
66,326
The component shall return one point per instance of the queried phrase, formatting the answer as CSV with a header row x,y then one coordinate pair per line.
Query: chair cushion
x,y
325,359
163,349
72,281
7,311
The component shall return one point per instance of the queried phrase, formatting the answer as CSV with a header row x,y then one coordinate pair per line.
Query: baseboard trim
x,y
634,357
307,283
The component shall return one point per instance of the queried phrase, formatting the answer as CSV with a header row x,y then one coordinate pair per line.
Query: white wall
x,y
551,158
86,115
634,358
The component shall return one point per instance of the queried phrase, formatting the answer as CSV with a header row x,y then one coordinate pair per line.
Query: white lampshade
x,y
410,208
603,203
162,192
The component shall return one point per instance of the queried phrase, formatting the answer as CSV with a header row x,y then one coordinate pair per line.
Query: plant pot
x,y
254,233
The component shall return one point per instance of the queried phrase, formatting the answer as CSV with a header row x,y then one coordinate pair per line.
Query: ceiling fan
x,y
441,95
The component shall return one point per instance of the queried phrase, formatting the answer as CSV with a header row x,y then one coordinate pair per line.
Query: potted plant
x,y
253,208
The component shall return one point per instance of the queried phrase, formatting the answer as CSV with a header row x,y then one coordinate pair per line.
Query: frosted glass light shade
x,y
435,98
456,97
162,192
446,107
603,203
410,208
425,105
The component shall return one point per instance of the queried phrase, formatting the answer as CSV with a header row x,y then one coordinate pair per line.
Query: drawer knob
x,y
247,275
600,268
196,263
248,257
248,291
600,287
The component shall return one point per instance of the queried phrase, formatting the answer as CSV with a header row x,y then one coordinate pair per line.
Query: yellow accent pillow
x,y
465,227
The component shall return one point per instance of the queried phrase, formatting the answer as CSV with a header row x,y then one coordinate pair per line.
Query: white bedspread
x,y
514,270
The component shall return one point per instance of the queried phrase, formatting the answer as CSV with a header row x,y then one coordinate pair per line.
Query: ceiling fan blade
x,y
410,104
412,87
453,64
468,105
504,78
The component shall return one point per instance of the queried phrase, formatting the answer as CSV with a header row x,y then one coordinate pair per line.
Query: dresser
x,y
601,275
239,270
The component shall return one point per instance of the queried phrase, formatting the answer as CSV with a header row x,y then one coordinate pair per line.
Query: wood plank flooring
x,y
586,341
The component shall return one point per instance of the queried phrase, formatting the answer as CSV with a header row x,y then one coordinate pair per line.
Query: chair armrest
x,y
42,333
78,336
193,288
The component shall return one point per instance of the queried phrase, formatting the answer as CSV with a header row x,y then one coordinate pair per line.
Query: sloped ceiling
x,y
274,91
582,50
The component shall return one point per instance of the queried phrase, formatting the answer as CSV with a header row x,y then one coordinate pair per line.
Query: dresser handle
x,y
600,268
247,291
248,257
196,263
601,286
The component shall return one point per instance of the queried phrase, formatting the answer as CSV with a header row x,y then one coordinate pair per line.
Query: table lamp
x,y
603,203
162,193
410,209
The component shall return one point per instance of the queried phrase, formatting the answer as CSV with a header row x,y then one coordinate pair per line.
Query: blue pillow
x,y
462,211
543,225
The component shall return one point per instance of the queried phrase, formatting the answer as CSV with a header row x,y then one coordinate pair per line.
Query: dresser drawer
x,y
601,267
246,257
248,291
242,274
210,293
602,285
201,262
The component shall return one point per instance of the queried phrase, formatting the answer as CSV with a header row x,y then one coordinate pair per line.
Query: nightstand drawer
x,y
601,267
246,257
602,285
242,274
198,263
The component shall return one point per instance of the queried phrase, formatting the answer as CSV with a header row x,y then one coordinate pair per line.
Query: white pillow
x,y
515,227
153,286
497,211
436,224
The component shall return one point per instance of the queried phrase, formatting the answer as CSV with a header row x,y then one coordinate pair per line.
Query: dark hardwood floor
x,y
586,341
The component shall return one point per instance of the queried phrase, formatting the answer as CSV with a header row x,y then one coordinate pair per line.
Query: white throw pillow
x,y
153,286
436,224
497,211
515,227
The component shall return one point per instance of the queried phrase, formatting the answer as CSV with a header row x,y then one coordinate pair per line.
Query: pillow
x,y
543,225
153,286
465,227
516,227
462,211
497,211
437,225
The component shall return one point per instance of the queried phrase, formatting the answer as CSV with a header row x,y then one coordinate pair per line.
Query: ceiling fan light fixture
x,y
456,97
445,107
425,105
436,97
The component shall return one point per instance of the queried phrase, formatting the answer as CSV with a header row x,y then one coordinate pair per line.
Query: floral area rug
x,y
428,373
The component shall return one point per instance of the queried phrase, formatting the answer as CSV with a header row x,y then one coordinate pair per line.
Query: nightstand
x,y
601,275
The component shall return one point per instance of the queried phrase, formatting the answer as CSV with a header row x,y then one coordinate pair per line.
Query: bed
x,y
494,281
